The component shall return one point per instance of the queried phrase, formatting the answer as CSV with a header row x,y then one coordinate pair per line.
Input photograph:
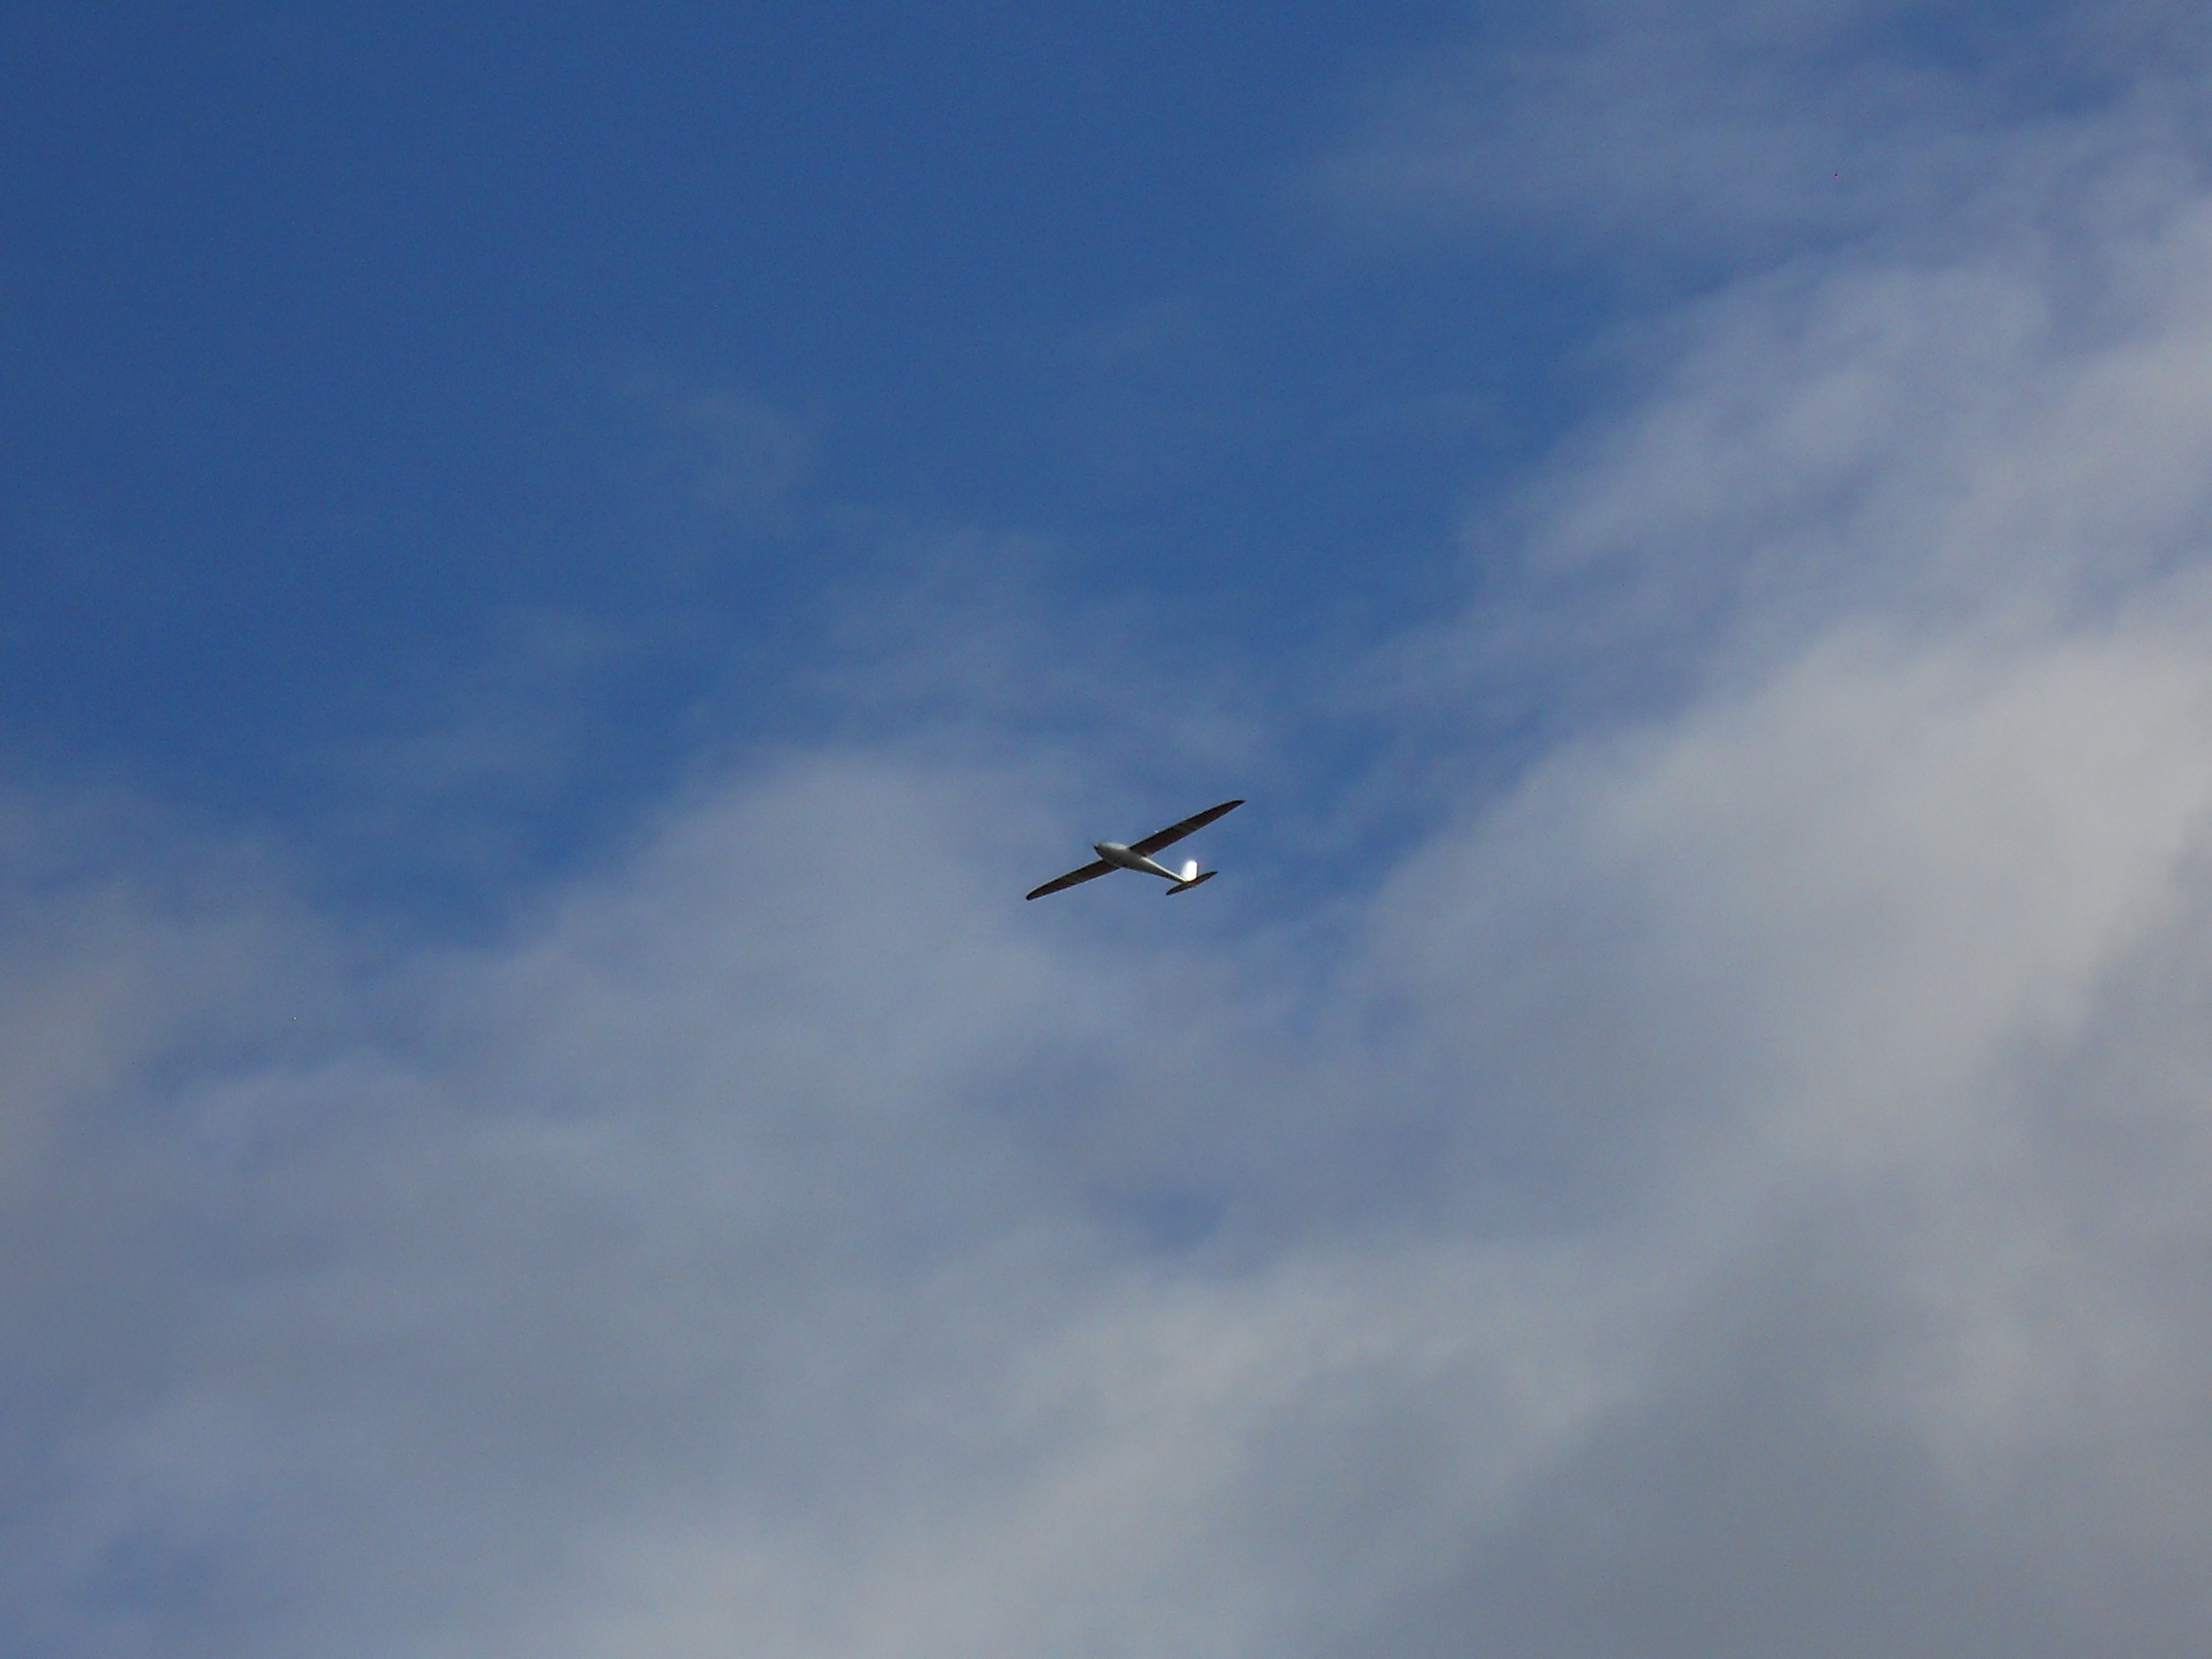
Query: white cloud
x,y
704,1266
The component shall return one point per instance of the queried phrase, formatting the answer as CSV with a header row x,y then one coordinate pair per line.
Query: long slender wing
x,y
1074,878
1176,832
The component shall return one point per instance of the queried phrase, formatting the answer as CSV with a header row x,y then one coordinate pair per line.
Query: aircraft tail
x,y
1191,875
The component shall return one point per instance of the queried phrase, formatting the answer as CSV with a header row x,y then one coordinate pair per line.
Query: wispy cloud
x,y
1706,136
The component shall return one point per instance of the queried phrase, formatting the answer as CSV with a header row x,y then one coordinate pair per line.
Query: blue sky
x,y
345,343
562,571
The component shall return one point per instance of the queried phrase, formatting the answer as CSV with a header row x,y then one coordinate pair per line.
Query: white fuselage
x,y
1114,853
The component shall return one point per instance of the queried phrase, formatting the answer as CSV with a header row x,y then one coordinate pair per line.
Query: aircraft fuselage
x,y
1114,853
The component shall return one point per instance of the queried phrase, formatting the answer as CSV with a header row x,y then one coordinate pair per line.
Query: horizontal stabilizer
x,y
1200,880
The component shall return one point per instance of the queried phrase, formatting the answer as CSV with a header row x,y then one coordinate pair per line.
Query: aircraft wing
x,y
1176,832
1074,878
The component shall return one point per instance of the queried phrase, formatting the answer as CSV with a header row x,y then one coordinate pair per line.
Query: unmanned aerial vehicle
x,y
1137,855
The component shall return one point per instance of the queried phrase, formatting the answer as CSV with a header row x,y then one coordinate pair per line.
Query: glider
x,y
1137,855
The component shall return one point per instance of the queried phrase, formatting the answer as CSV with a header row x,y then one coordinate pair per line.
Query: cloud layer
x,y
1741,1190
